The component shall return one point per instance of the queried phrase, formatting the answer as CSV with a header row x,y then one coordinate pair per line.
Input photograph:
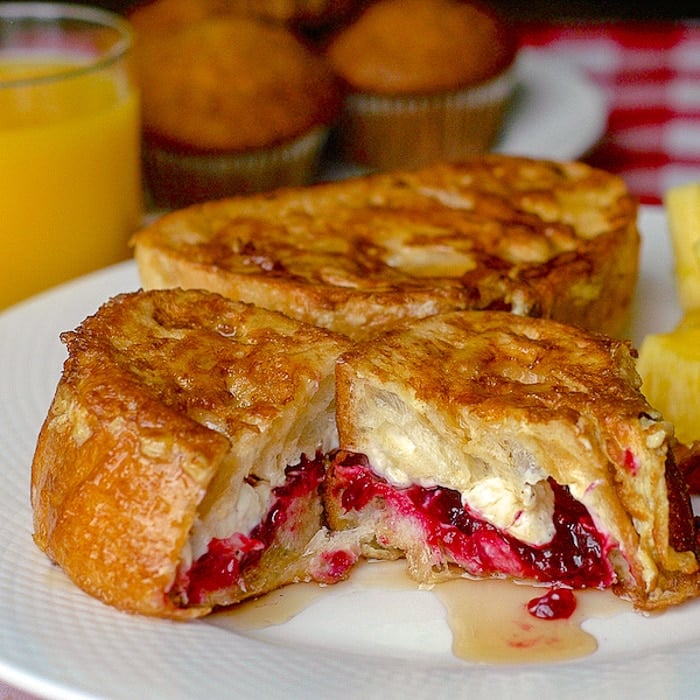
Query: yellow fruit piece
x,y
690,320
669,365
683,212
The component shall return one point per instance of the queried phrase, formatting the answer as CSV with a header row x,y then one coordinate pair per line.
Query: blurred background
x,y
551,10
545,10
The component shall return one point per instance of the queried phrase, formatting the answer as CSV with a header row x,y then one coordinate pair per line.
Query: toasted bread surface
x,y
497,408
173,424
537,237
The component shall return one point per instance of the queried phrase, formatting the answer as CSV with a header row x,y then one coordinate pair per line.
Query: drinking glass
x,y
70,175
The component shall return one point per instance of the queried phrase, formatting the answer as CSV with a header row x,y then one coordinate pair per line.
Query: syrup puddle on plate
x,y
488,619
490,622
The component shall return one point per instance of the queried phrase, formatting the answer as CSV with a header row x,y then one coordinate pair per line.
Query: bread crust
x,y
553,239
168,402
493,406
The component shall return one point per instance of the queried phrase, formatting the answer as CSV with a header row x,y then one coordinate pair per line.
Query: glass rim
x,y
48,11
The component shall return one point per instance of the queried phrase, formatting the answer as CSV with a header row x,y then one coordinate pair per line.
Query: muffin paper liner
x,y
177,179
411,131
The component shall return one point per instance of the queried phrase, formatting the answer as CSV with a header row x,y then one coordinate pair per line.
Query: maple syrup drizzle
x,y
283,604
488,619
490,622
272,609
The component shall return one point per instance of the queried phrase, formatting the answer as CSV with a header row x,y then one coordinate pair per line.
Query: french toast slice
x,y
489,444
535,237
180,464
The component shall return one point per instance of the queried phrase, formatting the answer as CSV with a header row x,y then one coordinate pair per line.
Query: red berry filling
x,y
221,566
575,557
630,462
226,560
555,604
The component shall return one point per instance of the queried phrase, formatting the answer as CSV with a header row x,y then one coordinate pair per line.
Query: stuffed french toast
x,y
180,465
536,237
487,444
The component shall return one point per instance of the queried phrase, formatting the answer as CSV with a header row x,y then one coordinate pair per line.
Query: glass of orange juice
x,y
70,176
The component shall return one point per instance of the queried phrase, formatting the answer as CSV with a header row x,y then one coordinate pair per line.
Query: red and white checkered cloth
x,y
650,74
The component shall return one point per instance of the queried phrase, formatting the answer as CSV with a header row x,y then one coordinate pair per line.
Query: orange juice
x,y
70,162
70,190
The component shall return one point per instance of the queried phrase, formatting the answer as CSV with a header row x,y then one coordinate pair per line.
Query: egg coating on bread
x,y
558,240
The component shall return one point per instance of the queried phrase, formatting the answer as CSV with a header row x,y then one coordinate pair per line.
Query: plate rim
x,y
578,109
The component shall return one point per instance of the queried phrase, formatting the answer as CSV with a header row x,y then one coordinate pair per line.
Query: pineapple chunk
x,y
683,210
690,320
669,365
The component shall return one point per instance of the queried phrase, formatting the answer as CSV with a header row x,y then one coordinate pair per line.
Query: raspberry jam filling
x,y
576,557
557,604
226,560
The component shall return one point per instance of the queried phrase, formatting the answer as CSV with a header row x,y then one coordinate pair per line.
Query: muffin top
x,y
420,47
231,83
168,15
301,13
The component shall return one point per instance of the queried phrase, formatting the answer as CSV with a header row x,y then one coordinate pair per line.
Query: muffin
x,y
427,80
231,104
302,14
169,15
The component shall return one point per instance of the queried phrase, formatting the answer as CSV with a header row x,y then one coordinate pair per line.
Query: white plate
x,y
556,111
57,642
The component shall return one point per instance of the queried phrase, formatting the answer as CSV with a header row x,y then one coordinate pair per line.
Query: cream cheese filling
x,y
504,485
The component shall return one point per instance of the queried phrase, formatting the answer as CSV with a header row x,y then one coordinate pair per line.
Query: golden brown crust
x,y
86,498
555,239
489,403
231,83
167,403
411,47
